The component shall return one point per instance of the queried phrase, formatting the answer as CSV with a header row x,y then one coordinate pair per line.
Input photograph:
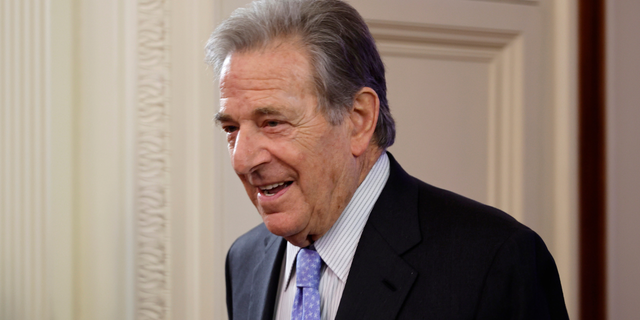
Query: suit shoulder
x,y
253,240
456,214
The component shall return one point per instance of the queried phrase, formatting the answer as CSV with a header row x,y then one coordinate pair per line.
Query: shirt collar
x,y
338,246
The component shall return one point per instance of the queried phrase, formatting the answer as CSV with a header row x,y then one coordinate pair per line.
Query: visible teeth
x,y
271,186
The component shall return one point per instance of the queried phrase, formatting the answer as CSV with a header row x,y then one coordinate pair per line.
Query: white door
x,y
474,93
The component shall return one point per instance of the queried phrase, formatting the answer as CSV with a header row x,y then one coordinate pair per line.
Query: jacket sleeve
x,y
523,282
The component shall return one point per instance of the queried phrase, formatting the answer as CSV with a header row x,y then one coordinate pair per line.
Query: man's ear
x,y
363,117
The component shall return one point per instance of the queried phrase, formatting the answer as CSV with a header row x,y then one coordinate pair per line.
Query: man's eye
x,y
229,129
272,123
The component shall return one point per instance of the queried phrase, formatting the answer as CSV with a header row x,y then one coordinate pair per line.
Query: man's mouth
x,y
273,189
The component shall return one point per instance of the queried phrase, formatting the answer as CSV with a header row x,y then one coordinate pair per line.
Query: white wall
x,y
623,158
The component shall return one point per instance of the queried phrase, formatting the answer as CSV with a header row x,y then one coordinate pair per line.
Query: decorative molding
x,y
153,196
506,130
502,51
437,42
383,30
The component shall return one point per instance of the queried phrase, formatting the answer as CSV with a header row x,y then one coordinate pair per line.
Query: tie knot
x,y
308,264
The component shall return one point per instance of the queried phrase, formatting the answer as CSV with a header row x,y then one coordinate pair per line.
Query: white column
x,y
24,161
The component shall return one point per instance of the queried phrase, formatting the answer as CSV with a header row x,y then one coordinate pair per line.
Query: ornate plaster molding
x,y
152,274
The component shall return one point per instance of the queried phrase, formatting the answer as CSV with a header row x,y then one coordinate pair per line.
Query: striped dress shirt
x,y
336,248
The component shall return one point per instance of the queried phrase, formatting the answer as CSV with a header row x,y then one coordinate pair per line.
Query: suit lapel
x,y
266,276
380,279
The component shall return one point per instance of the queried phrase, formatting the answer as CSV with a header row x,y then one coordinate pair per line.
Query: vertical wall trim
x,y
505,185
565,172
24,163
592,159
60,61
153,197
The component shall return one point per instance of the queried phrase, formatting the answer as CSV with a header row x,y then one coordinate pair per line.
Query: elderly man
x,y
348,234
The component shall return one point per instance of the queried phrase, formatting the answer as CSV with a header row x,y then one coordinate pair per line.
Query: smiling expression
x,y
297,168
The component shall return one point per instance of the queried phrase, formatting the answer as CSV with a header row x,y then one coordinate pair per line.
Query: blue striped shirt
x,y
336,248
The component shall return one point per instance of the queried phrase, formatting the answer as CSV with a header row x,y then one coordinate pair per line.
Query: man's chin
x,y
299,240
291,232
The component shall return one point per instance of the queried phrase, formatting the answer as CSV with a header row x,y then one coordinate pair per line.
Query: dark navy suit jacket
x,y
425,253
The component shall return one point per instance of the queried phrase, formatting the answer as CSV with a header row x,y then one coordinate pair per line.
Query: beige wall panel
x,y
426,97
623,159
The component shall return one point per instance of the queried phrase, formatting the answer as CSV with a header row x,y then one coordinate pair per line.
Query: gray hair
x,y
342,51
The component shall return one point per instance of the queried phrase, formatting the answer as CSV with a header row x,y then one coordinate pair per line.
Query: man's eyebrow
x,y
267,111
221,117
264,111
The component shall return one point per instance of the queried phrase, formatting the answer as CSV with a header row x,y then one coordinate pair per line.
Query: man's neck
x,y
367,160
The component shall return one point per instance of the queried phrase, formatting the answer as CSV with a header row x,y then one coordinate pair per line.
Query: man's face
x,y
296,167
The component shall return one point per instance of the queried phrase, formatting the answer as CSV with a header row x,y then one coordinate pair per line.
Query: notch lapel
x,y
266,276
379,279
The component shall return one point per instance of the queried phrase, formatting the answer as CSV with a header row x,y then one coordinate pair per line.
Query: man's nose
x,y
249,152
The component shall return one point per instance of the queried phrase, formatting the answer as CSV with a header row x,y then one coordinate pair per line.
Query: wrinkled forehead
x,y
282,58
283,66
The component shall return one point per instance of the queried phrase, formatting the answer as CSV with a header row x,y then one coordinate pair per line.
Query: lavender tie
x,y
306,305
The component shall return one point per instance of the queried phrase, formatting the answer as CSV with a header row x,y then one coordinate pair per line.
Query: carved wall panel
x,y
152,178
